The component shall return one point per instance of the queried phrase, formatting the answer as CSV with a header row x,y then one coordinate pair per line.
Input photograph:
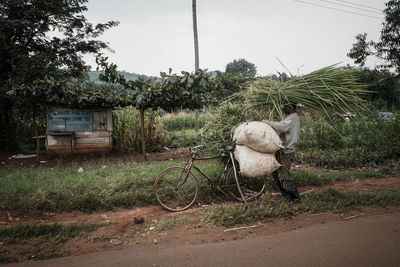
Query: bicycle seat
x,y
196,149
227,148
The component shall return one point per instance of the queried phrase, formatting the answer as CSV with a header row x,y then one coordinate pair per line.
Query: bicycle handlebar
x,y
195,149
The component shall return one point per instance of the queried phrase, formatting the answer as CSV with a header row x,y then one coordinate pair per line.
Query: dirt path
x,y
362,241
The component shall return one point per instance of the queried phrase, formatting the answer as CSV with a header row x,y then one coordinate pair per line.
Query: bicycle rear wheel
x,y
176,189
252,188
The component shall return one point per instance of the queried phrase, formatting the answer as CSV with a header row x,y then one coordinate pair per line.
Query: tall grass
x,y
126,130
183,121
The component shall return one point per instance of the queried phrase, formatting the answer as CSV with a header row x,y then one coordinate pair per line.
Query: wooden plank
x,y
97,140
96,134
109,120
59,140
101,123
78,146
96,120
104,119
59,147
92,150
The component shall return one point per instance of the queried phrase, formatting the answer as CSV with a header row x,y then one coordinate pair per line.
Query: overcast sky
x,y
155,35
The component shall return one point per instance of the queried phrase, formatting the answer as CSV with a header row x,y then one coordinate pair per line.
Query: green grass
x,y
184,138
304,177
329,200
107,186
98,187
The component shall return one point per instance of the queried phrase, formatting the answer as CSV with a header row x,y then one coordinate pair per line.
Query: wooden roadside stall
x,y
78,131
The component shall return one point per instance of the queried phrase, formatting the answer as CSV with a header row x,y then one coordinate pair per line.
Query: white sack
x,y
253,163
257,135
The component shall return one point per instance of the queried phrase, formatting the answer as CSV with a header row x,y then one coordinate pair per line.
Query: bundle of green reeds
x,y
331,90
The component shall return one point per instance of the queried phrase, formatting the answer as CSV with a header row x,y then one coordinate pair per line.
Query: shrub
x,y
369,140
223,120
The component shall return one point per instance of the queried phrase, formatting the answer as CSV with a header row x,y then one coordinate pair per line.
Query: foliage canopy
x,y
241,66
388,47
41,48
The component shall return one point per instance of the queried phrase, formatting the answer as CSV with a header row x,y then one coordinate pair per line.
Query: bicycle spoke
x,y
183,200
176,189
251,188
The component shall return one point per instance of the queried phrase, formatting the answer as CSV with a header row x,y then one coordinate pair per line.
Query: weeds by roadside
x,y
329,200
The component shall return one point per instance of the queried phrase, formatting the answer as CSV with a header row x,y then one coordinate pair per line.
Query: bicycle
x,y
176,188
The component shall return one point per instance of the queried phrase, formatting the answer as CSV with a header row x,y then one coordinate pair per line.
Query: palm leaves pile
x,y
331,90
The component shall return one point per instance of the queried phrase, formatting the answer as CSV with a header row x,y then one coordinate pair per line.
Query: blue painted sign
x,y
69,120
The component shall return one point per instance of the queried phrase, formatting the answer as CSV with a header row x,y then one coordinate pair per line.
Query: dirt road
x,y
362,241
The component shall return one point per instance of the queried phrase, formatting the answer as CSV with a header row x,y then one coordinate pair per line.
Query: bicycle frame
x,y
190,164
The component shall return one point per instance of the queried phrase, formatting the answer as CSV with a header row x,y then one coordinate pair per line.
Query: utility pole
x,y
196,55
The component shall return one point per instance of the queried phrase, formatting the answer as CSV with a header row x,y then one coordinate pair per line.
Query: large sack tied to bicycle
x,y
253,163
258,136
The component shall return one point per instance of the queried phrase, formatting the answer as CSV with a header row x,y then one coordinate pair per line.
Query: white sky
x,y
155,35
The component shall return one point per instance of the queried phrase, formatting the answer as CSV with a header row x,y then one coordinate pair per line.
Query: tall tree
x,y
41,43
388,47
241,66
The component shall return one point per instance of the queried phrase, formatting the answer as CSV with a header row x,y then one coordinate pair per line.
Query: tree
x,y
241,66
41,43
385,87
189,90
226,84
388,47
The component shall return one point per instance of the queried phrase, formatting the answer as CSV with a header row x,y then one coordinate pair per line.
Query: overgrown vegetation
x,y
329,200
219,127
365,140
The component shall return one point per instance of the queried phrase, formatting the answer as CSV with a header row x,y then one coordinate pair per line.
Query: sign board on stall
x,y
69,120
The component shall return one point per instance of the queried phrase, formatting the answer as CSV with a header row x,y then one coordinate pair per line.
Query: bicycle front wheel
x,y
176,189
252,188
